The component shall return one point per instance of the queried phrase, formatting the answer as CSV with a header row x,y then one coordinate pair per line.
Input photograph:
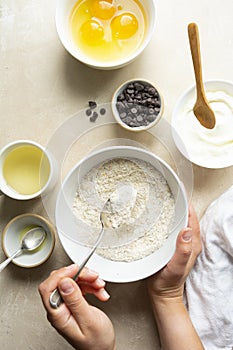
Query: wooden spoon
x,y
201,109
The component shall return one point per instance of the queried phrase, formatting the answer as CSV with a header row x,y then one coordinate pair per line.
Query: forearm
x,y
175,327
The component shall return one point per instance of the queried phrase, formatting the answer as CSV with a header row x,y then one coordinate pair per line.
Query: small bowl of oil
x,y
15,230
105,34
27,170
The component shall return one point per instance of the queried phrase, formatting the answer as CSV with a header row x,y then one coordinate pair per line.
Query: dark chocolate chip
x,y
138,97
157,110
94,117
151,110
138,86
88,112
139,118
130,91
150,118
123,115
121,97
152,91
134,110
128,120
102,111
92,104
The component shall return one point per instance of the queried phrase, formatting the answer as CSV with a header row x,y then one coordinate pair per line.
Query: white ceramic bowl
x,y
16,229
116,113
63,11
111,270
47,161
209,148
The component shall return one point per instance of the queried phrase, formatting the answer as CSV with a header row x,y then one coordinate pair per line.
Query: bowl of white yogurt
x,y
209,148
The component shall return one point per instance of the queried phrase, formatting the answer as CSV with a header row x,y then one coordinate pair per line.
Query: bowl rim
x,y
71,247
116,114
39,217
107,65
175,134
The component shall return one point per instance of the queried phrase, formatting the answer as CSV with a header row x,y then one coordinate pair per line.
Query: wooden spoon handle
x,y
196,56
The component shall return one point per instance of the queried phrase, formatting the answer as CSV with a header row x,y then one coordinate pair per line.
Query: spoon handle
x,y
196,56
7,261
55,298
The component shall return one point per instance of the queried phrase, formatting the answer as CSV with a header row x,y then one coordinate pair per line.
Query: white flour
x,y
118,209
142,227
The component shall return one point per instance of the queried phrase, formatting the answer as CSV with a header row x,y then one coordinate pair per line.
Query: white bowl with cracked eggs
x,y
111,270
64,10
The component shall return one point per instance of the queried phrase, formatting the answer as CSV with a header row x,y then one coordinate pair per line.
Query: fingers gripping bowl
x,y
112,269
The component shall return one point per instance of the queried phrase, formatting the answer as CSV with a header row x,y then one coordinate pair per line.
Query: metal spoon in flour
x,y
118,207
124,196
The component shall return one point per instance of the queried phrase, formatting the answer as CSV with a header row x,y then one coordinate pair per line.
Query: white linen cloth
x,y
209,287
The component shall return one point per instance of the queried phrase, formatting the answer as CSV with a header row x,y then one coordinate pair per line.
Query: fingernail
x,y
187,235
100,283
70,267
92,272
105,294
66,286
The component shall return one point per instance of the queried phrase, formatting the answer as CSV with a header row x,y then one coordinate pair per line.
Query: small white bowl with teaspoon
x,y
13,233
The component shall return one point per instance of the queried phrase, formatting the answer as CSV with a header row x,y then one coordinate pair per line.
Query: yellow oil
x,y
26,169
108,30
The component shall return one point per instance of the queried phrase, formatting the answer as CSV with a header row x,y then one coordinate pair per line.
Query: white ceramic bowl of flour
x,y
110,270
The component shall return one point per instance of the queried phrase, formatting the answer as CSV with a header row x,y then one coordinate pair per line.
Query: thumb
x,y
183,252
74,300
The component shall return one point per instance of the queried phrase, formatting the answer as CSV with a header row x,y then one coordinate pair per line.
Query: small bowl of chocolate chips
x,y
137,105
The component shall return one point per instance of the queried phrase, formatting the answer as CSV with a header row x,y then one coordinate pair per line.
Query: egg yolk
x,y
124,26
92,32
103,9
